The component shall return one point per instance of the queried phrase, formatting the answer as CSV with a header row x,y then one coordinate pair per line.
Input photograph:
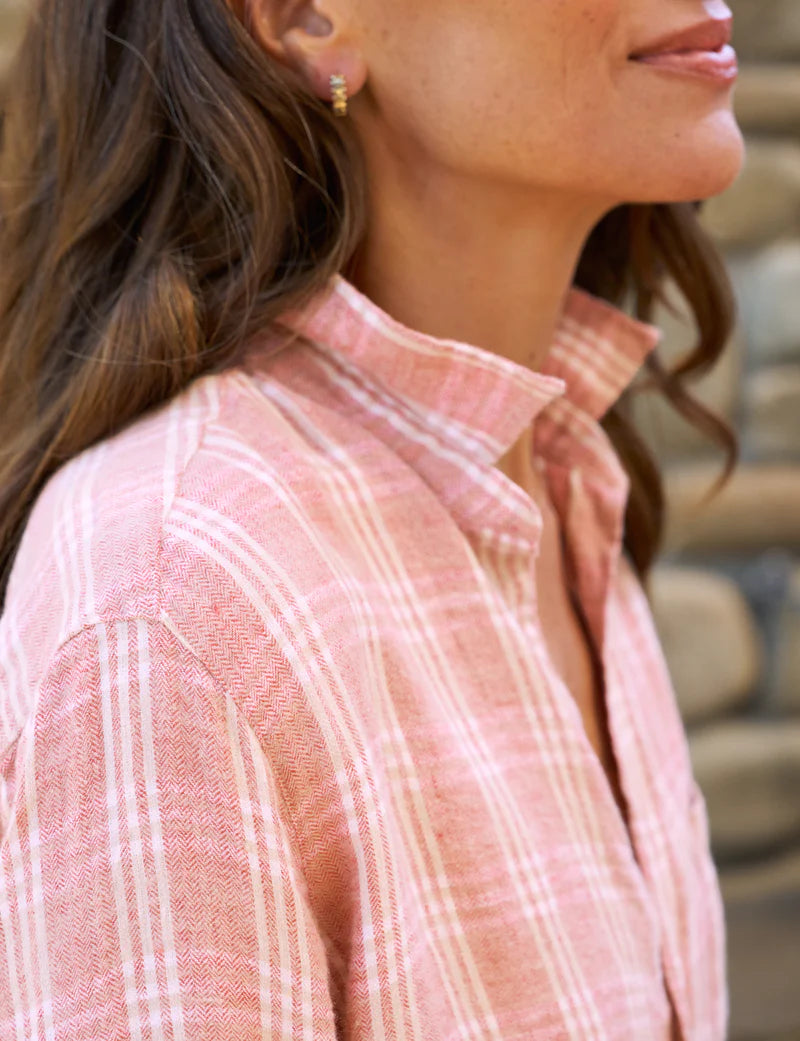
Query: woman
x,y
332,705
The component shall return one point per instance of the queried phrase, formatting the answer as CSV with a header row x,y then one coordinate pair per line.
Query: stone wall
x,y
727,589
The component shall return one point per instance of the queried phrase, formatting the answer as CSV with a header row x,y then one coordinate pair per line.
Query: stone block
x,y
766,29
764,200
762,910
710,640
787,657
749,772
766,284
772,413
758,507
767,98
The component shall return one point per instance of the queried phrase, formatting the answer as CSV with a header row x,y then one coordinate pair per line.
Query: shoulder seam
x,y
166,507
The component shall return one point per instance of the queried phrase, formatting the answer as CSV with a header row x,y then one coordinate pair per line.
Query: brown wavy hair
x,y
166,189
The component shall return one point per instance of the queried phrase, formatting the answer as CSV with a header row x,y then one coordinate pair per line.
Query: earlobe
x,y
319,58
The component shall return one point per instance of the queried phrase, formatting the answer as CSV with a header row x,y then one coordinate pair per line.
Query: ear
x,y
311,37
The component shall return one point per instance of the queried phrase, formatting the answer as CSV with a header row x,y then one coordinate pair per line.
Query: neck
x,y
488,267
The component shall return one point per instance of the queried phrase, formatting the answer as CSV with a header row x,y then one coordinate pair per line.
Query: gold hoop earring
x,y
339,94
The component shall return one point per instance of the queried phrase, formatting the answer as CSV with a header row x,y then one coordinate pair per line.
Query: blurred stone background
x,y
726,593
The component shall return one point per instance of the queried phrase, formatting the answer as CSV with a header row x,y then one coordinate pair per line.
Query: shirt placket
x,y
592,565
592,529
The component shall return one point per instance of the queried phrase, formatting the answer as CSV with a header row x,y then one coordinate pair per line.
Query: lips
x,y
719,65
711,35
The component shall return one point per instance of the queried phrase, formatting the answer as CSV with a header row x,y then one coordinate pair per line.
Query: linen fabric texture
x,y
283,754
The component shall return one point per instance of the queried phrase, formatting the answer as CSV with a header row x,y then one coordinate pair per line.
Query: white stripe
x,y
16,703
86,536
73,549
591,334
273,835
259,907
576,339
13,880
37,892
594,379
167,939
25,704
10,722
134,834
63,576
24,904
174,414
115,850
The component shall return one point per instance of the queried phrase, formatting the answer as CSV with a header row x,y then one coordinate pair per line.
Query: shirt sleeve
x,y
149,882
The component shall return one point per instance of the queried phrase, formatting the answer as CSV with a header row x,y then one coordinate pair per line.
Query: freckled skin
x,y
493,86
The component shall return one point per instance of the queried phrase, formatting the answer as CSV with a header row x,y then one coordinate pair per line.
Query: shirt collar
x,y
485,401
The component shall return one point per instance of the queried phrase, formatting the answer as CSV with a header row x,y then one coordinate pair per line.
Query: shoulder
x,y
132,527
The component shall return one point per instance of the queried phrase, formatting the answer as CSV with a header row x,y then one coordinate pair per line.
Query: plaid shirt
x,y
282,750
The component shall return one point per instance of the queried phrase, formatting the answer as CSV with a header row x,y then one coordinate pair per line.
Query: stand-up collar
x,y
595,352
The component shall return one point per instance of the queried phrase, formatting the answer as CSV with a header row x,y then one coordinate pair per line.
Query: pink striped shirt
x,y
282,752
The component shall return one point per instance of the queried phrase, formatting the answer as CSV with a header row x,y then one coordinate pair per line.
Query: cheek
x,y
517,111
467,79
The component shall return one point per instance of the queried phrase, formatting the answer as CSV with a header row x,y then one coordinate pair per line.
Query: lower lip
x,y
720,66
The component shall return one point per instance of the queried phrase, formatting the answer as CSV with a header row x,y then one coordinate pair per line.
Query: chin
x,y
698,170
